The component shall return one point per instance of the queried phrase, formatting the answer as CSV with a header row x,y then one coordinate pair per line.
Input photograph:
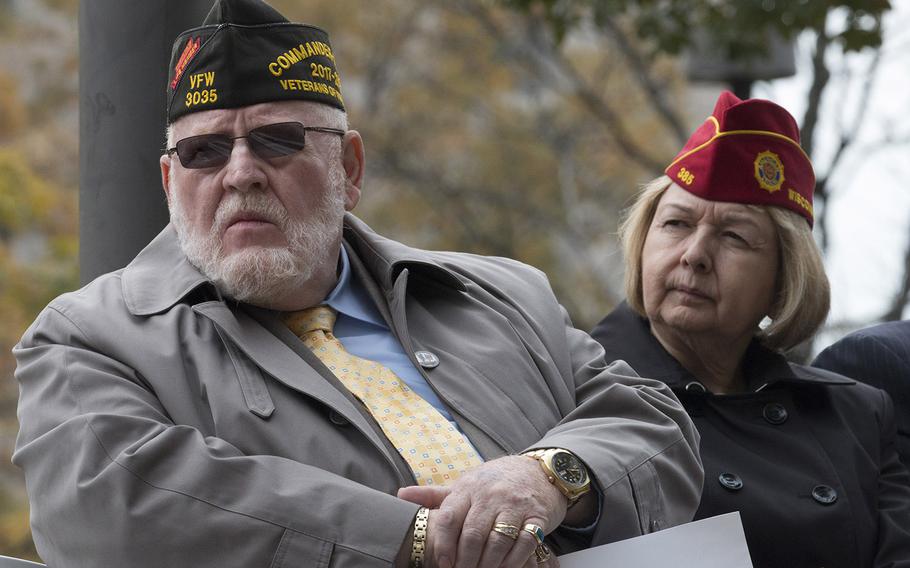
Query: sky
x,y
870,201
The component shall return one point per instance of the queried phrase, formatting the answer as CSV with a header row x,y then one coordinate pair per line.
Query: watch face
x,y
569,468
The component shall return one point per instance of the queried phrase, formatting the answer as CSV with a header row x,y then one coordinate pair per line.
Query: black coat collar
x,y
626,335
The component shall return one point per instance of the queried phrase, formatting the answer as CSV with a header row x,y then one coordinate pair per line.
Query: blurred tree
x,y
479,135
521,127
37,262
67,7
38,214
646,30
738,27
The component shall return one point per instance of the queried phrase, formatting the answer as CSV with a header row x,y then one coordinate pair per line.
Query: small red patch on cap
x,y
191,49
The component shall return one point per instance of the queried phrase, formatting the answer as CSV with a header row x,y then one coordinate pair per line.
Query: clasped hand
x,y
511,490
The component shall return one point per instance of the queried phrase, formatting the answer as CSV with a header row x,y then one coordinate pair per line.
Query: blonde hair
x,y
803,295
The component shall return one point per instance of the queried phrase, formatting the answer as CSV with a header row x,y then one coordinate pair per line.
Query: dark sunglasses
x,y
269,141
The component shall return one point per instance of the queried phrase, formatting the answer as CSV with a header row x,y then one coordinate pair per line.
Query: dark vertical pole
x,y
741,87
124,49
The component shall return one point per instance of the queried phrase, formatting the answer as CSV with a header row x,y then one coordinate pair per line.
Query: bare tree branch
x,y
642,71
538,53
576,227
377,68
847,139
820,77
896,309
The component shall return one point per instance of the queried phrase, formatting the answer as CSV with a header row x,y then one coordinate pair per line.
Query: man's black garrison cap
x,y
245,53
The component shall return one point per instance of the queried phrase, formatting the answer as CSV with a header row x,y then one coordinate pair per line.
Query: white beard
x,y
263,276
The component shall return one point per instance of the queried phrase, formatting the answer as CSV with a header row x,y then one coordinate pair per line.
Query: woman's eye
x,y
734,236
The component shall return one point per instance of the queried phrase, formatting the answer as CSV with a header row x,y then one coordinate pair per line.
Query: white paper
x,y
717,542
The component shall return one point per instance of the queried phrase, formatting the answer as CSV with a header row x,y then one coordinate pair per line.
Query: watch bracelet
x,y
419,540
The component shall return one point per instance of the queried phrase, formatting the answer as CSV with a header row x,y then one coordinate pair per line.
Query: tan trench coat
x,y
164,426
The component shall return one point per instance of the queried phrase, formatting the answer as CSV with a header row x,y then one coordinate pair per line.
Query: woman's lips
x,y
691,292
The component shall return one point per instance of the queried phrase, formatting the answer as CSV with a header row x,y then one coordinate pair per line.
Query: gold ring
x,y
536,531
542,553
510,531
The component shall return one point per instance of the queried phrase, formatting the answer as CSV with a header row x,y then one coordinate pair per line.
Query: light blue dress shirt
x,y
364,333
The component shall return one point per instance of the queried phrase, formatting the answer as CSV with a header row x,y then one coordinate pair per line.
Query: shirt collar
x,y
350,298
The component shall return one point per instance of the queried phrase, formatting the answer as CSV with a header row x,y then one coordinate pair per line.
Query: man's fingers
x,y
426,496
501,539
522,553
470,545
478,536
446,527
532,562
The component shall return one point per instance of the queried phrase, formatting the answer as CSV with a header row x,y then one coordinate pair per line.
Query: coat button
x,y
426,359
337,419
695,387
824,494
775,413
730,481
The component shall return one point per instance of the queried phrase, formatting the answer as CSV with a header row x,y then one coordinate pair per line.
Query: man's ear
x,y
165,164
354,162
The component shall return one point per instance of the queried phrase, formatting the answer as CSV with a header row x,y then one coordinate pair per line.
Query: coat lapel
x,y
297,370
161,276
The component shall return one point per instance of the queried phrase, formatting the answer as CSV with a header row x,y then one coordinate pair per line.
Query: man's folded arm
x,y
636,439
111,476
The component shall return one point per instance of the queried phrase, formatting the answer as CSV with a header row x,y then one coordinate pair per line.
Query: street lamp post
x,y
707,62
124,49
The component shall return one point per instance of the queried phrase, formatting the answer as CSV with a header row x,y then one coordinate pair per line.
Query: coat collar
x,y
385,259
161,276
626,335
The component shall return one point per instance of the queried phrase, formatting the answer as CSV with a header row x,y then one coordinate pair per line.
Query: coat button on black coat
x,y
730,481
775,413
824,494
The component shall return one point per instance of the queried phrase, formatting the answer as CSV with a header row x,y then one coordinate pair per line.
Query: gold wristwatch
x,y
564,470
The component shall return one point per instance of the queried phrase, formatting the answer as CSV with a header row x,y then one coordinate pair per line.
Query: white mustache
x,y
258,205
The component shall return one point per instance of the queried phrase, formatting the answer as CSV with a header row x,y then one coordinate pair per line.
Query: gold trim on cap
x,y
719,134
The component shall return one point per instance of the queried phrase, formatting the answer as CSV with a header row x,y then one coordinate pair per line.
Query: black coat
x,y
807,456
878,356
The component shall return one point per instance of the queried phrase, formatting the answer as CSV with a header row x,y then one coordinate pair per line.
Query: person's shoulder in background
x,y
878,356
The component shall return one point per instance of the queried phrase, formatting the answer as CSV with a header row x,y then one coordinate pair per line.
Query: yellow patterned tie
x,y
436,451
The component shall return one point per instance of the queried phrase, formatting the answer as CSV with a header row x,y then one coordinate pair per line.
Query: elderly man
x,y
271,383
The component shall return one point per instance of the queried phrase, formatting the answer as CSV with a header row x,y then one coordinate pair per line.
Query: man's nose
x,y
244,169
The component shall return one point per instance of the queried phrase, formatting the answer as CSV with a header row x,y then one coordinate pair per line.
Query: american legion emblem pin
x,y
769,171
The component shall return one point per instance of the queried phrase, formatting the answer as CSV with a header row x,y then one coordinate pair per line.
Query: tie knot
x,y
311,319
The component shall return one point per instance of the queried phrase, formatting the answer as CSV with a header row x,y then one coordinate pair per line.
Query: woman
x,y
715,249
